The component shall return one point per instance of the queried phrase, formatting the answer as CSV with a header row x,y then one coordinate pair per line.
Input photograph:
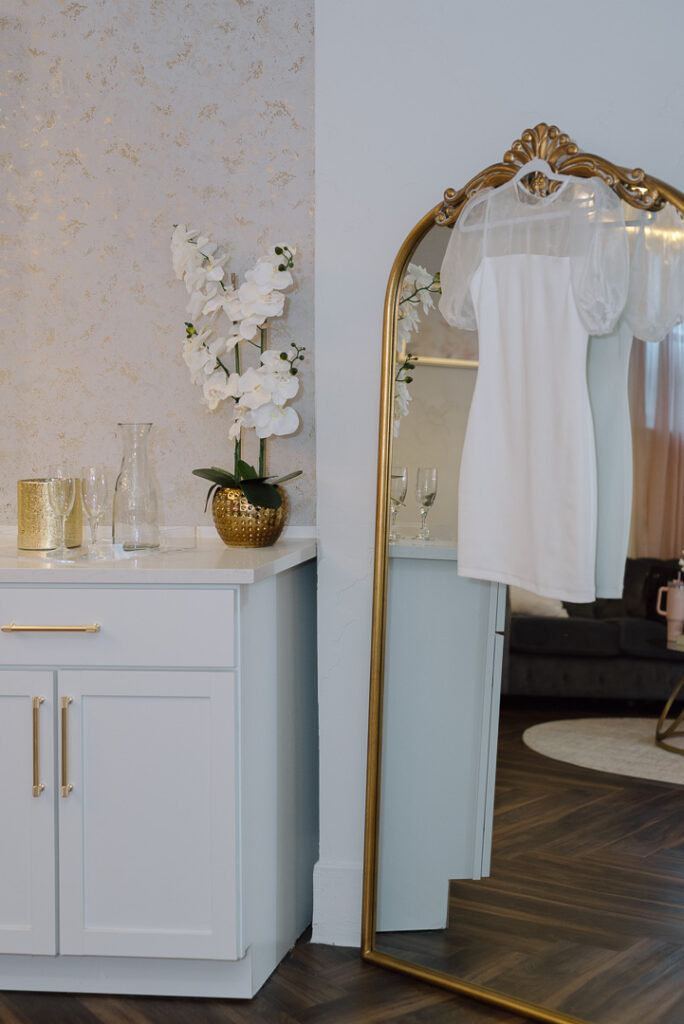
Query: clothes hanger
x,y
540,166
536,165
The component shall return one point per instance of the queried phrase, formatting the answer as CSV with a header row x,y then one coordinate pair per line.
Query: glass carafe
x,y
135,518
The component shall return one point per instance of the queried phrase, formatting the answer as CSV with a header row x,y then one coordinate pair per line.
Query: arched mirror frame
x,y
564,157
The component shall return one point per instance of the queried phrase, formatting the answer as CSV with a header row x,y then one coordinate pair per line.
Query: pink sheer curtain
x,y
657,405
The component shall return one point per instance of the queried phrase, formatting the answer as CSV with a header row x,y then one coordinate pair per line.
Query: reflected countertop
x,y
203,560
441,545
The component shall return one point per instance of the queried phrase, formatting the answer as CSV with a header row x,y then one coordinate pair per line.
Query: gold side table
x,y
666,731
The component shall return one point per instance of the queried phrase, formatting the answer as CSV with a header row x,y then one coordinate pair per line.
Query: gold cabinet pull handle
x,y
66,786
38,786
12,627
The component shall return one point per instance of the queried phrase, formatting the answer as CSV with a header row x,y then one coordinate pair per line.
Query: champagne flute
x,y
398,487
61,491
426,492
94,495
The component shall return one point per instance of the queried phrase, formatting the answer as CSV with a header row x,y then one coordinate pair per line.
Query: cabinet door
x,y
148,850
437,745
27,813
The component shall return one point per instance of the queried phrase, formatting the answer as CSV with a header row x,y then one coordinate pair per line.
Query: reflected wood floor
x,y
584,910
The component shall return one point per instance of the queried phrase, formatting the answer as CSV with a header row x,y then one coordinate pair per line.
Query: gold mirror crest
x,y
547,142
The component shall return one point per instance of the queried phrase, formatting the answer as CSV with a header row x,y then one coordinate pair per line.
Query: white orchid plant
x,y
416,297
223,317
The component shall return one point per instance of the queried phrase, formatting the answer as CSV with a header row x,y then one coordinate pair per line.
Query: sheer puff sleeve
x,y
462,258
656,293
600,261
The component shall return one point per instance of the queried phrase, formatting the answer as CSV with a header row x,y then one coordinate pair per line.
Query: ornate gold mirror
x,y
546,888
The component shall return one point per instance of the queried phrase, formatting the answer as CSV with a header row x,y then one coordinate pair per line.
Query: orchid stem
x,y
238,439
262,441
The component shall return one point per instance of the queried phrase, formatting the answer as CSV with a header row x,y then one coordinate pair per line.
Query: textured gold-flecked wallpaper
x,y
120,118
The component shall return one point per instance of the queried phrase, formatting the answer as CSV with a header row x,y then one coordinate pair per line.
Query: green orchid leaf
x,y
217,476
246,471
261,495
210,494
282,479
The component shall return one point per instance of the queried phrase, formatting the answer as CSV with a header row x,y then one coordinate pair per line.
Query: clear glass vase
x,y
135,518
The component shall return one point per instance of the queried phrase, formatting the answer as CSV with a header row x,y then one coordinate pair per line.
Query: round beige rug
x,y
624,746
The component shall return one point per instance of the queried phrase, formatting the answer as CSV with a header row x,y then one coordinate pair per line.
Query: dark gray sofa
x,y
613,648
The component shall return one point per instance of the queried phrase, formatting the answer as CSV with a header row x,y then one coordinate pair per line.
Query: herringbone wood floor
x,y
609,948
584,910
313,985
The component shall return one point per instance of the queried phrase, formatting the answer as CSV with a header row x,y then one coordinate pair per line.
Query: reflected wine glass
x,y
61,491
398,488
426,492
94,496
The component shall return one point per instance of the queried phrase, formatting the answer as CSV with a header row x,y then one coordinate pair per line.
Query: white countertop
x,y
441,545
210,561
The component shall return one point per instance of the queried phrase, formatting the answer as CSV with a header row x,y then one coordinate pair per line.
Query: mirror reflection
x,y
531,835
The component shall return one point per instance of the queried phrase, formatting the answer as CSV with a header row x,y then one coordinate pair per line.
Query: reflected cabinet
x,y
490,870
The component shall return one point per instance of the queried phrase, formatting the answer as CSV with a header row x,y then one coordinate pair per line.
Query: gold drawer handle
x,y
12,627
38,786
66,786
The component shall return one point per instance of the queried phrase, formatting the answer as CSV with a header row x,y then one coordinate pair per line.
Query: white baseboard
x,y
337,903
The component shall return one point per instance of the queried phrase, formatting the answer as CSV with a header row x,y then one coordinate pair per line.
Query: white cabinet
x,y
132,626
148,858
443,661
170,849
27,857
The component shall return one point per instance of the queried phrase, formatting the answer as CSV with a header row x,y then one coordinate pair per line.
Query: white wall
x,y
410,99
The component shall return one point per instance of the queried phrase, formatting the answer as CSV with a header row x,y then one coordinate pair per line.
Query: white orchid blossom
x,y
203,353
253,306
267,277
197,356
209,267
243,419
417,293
195,305
222,300
260,394
252,391
274,419
197,360
278,379
402,398
217,387
184,250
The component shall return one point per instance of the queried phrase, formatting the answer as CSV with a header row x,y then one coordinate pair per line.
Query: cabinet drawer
x,y
137,626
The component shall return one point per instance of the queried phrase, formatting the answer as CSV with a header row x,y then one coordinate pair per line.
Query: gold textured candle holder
x,y
37,525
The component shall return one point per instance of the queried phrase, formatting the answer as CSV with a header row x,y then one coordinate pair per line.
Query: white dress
x,y
607,375
535,277
655,304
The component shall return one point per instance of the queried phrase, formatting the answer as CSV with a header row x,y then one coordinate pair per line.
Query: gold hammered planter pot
x,y
242,525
